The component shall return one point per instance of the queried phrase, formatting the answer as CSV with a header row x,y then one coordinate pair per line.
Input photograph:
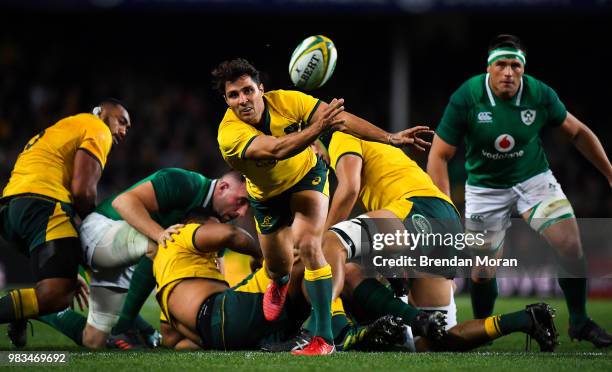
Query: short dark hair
x,y
112,101
507,41
232,71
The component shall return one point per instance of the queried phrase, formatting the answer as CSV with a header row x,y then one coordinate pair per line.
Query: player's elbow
x,y
120,201
280,151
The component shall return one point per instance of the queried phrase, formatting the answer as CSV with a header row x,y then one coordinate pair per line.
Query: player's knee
x,y
170,337
569,248
309,248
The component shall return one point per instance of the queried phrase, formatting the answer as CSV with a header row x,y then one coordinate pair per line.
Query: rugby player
x,y
129,225
536,320
499,115
199,310
390,186
55,179
267,137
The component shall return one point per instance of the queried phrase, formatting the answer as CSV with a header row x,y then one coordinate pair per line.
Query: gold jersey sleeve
x,y
285,112
181,260
46,163
388,174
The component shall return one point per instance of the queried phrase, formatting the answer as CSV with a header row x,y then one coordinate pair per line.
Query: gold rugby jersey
x,y
285,112
181,260
388,174
46,163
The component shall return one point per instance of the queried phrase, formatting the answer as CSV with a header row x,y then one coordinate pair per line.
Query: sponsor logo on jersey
x,y
485,117
504,143
528,116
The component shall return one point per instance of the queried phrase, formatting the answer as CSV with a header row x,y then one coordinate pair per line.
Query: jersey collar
x,y
207,201
519,95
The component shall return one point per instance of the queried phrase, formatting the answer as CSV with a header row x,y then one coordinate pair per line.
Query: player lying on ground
x,y
500,115
267,137
371,299
123,228
54,179
199,310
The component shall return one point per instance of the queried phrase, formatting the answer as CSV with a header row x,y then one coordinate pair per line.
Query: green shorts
x,y
274,213
33,220
437,216
237,321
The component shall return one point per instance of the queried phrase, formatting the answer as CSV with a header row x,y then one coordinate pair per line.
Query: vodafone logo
x,y
504,143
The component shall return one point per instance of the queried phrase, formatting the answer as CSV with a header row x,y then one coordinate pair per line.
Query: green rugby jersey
x,y
178,192
501,137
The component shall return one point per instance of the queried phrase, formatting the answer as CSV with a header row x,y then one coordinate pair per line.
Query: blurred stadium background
x,y
399,61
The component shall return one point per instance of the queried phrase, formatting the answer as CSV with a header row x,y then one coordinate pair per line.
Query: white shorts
x,y
490,209
122,244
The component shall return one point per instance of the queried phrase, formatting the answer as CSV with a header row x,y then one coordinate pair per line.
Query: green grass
x,y
506,354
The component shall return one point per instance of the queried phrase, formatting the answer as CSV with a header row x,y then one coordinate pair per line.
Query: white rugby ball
x,y
313,62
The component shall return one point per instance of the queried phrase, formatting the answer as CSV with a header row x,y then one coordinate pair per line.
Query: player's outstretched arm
x,y
84,185
348,173
437,163
279,148
212,237
588,144
365,130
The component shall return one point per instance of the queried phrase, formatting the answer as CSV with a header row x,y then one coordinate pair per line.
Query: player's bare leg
x,y
335,255
310,211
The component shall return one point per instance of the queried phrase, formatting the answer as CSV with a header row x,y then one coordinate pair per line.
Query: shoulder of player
x,y
470,92
88,121
536,89
181,174
230,123
279,98
186,235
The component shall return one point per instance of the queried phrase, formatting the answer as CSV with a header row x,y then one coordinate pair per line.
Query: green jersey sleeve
x,y
556,109
453,124
176,188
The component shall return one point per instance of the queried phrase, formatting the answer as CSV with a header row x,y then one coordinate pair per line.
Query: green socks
x,y
68,322
483,297
379,300
318,284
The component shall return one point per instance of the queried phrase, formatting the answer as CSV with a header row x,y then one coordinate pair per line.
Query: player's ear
x,y
261,87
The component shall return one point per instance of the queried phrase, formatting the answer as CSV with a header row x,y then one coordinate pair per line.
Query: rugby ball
x,y
313,62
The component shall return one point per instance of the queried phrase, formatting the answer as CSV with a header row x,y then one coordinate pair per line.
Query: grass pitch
x,y
506,354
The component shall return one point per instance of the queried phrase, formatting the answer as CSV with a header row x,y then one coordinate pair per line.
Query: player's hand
x,y
166,235
410,137
328,117
82,293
